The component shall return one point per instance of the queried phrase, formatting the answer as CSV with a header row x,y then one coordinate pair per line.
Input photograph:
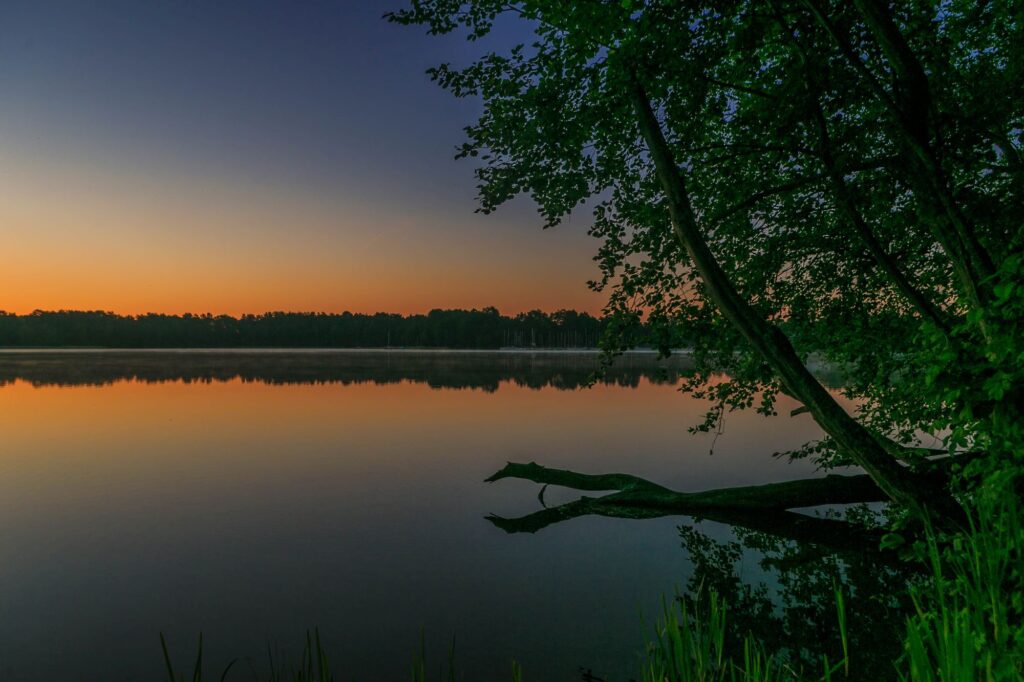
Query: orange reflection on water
x,y
223,431
251,511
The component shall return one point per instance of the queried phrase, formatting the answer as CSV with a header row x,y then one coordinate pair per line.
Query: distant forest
x,y
485,328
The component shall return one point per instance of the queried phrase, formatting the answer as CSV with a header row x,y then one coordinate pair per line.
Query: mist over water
x,y
485,370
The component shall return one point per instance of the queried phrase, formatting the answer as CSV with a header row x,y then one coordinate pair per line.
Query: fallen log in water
x,y
764,508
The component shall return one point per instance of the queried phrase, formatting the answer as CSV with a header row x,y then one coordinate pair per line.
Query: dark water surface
x,y
252,495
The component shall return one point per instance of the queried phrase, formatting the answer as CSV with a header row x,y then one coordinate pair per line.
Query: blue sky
x,y
252,128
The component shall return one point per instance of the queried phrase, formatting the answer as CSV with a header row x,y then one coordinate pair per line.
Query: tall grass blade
x,y
167,658
224,675
197,672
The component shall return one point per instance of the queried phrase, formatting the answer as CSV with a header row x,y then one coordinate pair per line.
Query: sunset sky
x,y
247,155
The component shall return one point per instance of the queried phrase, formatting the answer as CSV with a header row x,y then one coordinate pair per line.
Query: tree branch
x,y
848,208
763,507
970,260
791,185
570,479
638,492
741,88
919,123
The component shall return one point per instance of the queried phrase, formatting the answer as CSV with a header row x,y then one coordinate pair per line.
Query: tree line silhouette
x,y
486,328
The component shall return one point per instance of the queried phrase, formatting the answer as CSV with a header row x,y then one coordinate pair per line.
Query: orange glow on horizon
x,y
94,236
236,310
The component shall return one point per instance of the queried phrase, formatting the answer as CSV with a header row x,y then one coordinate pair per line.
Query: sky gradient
x,y
245,156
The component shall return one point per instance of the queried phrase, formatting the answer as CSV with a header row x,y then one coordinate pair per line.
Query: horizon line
x,y
484,309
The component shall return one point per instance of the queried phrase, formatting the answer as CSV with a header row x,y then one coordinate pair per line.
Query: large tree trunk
x,y
899,484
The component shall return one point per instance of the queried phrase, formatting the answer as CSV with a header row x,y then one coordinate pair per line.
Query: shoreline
x,y
326,350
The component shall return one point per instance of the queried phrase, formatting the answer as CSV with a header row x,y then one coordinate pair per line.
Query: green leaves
x,y
761,102
892,541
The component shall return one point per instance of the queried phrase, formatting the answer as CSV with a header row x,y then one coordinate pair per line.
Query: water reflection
x,y
252,496
828,579
794,610
485,370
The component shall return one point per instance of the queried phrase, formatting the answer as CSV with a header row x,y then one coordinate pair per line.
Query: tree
x,y
485,328
780,180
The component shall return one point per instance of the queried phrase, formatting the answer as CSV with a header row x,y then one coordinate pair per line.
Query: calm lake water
x,y
254,495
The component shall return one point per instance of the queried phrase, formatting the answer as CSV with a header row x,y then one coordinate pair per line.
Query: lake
x,y
254,495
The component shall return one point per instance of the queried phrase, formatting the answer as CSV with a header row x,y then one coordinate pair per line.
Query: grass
x,y
686,648
967,624
967,621
313,666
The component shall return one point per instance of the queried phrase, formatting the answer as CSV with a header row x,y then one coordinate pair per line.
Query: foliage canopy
x,y
840,179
